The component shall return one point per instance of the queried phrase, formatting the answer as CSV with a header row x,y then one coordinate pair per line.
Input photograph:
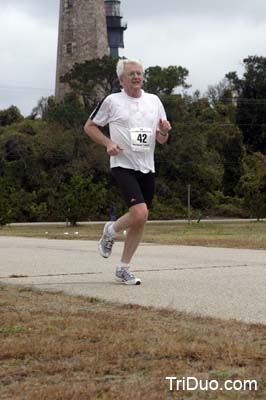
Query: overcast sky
x,y
208,37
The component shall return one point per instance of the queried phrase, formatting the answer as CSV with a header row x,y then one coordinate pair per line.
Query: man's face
x,y
132,78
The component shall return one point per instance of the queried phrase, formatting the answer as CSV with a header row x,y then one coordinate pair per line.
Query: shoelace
x,y
127,274
108,242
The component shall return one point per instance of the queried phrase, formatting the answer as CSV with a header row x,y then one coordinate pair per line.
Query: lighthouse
x,y
82,35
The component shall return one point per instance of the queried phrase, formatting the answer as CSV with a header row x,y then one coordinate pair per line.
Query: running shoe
x,y
106,243
125,276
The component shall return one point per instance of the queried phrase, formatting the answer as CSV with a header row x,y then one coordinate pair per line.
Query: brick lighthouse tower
x,y
82,35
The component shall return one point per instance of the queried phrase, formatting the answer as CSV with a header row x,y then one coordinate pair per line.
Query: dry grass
x,y
244,234
55,347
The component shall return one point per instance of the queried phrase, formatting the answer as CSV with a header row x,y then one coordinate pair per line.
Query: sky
x,y
208,37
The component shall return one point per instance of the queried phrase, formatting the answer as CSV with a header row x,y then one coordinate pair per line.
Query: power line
x,y
227,100
24,89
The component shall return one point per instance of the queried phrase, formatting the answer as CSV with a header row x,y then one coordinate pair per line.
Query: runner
x,y
136,121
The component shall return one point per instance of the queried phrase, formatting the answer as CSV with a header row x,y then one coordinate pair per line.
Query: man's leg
x,y
134,222
136,188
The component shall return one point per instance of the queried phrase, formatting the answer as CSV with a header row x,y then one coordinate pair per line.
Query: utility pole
x,y
188,203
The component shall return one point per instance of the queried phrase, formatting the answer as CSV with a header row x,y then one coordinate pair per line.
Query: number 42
x,y
142,138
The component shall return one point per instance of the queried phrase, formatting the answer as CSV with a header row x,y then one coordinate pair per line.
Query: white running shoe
x,y
106,243
125,276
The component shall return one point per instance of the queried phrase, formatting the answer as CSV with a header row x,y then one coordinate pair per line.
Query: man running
x,y
136,121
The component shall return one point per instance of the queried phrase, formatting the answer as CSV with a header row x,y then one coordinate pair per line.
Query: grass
x,y
243,234
55,347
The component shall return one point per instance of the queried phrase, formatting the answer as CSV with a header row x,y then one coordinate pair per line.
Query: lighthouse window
x,y
69,48
68,4
112,9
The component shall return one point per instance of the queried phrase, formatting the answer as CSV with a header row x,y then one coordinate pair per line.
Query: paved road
x,y
225,283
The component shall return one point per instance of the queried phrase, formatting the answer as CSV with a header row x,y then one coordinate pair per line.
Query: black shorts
x,y
135,186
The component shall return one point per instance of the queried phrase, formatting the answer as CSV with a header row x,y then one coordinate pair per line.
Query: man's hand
x,y
164,126
162,132
113,149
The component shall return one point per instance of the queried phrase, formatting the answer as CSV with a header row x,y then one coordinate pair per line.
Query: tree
x,y
82,199
225,135
70,113
251,102
42,108
189,158
10,116
51,170
233,156
163,81
5,210
17,147
19,205
223,92
252,185
92,79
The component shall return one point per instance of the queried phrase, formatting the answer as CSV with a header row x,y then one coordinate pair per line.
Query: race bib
x,y
141,139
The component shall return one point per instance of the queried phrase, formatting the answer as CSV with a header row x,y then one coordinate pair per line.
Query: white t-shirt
x,y
133,123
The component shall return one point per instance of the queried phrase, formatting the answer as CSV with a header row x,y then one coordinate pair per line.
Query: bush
x,y
166,210
226,206
10,116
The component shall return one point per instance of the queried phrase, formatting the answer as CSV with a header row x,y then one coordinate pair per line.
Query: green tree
x,y
5,210
92,79
225,136
82,199
162,81
10,116
252,185
58,172
251,102
233,157
70,113
188,159
19,205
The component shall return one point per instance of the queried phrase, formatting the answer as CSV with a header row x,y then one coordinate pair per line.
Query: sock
x,y
123,265
111,231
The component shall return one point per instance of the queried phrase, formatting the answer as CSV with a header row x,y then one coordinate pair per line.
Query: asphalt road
x,y
223,283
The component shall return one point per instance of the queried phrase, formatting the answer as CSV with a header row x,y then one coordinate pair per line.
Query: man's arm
x,y
92,130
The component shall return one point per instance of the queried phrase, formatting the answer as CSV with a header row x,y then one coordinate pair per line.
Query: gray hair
x,y
121,65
